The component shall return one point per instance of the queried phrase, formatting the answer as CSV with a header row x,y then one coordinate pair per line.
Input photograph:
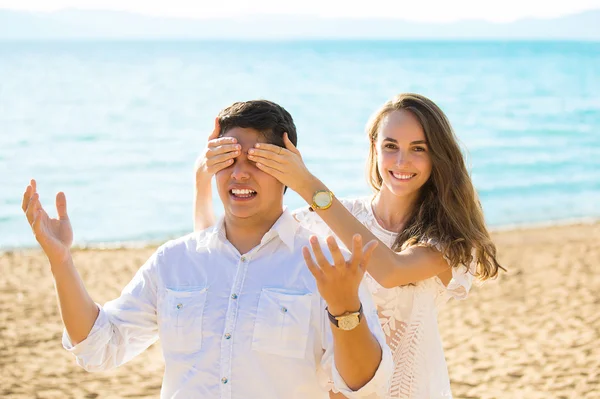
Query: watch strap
x,y
333,319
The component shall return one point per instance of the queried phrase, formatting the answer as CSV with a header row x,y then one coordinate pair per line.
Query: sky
x,y
421,10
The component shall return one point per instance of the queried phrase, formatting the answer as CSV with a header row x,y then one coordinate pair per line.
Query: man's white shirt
x,y
231,326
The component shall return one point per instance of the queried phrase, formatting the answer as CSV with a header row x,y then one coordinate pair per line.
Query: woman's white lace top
x,y
408,314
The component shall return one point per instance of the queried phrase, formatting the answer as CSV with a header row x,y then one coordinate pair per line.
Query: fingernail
x,y
251,151
257,145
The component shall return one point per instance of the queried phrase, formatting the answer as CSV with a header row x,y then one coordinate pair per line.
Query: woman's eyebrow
x,y
413,142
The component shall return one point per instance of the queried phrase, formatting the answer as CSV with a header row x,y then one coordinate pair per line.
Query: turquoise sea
x,y
118,125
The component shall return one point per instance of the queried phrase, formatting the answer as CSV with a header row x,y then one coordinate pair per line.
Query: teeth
x,y
242,191
403,176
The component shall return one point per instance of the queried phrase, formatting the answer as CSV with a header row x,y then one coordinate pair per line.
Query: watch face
x,y
322,199
348,322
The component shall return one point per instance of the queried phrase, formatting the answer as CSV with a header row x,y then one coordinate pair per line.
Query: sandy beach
x,y
533,333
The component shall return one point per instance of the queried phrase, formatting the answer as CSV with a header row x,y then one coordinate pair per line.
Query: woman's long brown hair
x,y
448,211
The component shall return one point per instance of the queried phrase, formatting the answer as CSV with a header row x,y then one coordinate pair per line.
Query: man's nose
x,y
241,168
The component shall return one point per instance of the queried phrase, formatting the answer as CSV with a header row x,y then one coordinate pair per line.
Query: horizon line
x,y
311,16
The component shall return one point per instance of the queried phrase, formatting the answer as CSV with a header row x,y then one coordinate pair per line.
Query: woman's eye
x,y
390,146
420,149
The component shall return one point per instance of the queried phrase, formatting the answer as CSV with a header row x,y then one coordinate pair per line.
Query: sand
x,y
533,333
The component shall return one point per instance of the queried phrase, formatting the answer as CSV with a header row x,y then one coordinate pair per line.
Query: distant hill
x,y
80,24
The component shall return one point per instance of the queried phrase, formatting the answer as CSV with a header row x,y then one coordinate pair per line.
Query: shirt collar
x,y
285,227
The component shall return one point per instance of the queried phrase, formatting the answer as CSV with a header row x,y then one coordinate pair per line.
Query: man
x,y
242,309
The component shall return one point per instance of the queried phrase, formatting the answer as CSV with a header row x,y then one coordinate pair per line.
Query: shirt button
x,y
243,258
227,336
283,309
234,296
224,380
179,306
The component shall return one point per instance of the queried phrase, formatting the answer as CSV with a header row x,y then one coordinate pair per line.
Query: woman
x,y
426,212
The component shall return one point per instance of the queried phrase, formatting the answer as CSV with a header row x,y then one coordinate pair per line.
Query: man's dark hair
x,y
270,119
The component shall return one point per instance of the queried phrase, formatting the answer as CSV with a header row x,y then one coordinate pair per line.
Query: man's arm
x,y
359,354
55,236
77,309
125,326
100,339
378,384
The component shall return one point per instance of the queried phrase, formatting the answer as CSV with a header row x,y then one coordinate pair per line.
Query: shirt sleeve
x,y
124,328
379,384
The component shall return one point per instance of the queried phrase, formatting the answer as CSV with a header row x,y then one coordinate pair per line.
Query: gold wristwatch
x,y
348,321
322,199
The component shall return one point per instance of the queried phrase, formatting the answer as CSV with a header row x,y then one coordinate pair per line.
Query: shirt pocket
x,y
282,323
180,317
